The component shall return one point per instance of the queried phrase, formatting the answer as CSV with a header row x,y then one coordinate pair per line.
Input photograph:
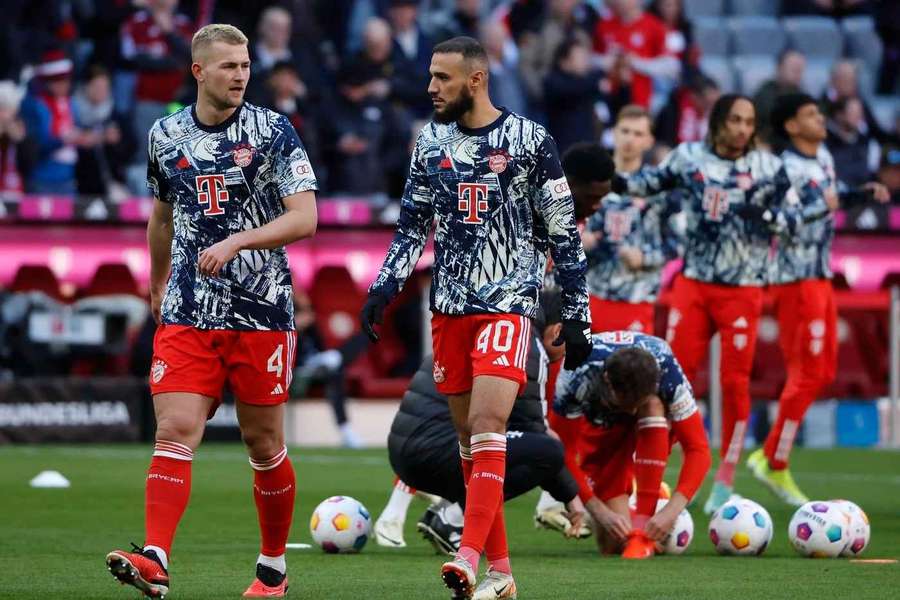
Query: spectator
x,y
844,83
375,57
289,95
47,112
17,150
104,28
464,20
640,38
685,117
563,19
410,58
273,43
887,22
679,36
506,86
369,142
570,91
856,153
26,29
101,162
157,43
788,80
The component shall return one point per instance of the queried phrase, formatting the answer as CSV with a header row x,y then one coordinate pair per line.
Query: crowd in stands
x,y
81,81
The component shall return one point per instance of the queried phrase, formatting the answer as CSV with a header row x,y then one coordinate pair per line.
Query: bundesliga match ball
x,y
819,530
681,535
741,527
860,530
340,524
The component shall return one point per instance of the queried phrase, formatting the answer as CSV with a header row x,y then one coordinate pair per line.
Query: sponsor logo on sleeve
x,y
559,188
301,168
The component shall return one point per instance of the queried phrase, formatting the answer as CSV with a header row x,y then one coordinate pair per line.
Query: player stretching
x,y
494,184
735,198
630,391
801,285
627,245
232,185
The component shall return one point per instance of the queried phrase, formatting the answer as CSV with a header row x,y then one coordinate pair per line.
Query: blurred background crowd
x,y
81,81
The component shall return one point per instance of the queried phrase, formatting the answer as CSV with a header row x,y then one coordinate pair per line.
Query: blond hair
x,y
215,32
633,111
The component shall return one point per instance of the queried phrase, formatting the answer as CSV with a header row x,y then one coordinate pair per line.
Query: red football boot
x,y
638,546
141,569
269,583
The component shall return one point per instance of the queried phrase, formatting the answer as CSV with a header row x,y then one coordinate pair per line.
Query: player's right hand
x,y
156,298
577,337
373,314
617,526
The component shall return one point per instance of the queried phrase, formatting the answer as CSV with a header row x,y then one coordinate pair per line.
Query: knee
x,y
183,429
262,441
486,424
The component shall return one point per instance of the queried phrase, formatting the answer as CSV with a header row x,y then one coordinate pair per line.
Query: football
x,y
741,527
681,535
340,524
860,530
819,529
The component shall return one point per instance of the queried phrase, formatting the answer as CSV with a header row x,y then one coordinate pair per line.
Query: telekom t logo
x,y
617,225
211,192
715,203
473,200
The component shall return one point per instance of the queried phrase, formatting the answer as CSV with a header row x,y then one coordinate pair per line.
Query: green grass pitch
x,y
53,542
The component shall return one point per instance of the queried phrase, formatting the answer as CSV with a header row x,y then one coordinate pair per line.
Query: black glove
x,y
754,212
618,184
372,314
577,337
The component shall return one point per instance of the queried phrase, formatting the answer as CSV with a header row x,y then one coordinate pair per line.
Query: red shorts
x,y
607,458
612,315
466,346
256,364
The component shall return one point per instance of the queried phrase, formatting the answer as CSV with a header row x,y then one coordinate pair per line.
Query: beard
x,y
456,109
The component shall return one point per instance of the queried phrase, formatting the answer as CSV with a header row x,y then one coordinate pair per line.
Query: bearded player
x,y
736,198
232,185
493,183
800,283
628,394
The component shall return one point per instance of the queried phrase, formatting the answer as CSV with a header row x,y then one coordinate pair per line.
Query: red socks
x,y
274,488
167,492
484,500
650,455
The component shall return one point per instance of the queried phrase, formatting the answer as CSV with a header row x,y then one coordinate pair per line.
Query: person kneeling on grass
x,y
626,396
423,449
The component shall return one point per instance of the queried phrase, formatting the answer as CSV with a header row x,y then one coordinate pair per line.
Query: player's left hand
x,y
879,191
211,260
577,337
659,526
632,257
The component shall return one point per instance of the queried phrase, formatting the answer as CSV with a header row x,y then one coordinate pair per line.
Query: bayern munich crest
x,y
438,373
497,162
243,155
157,371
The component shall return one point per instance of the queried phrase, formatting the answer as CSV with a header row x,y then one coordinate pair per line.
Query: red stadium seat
x,y
37,278
337,302
110,279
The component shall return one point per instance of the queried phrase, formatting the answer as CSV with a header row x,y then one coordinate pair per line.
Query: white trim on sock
x,y
273,562
271,463
161,554
736,444
648,422
786,440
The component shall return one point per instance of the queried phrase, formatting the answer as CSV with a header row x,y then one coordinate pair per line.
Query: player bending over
x,y
232,185
493,183
800,282
629,393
